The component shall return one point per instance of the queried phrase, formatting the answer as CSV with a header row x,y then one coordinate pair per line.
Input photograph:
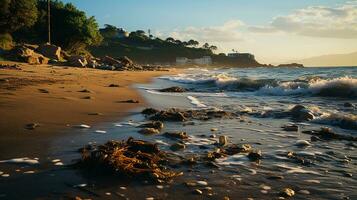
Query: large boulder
x,y
126,62
50,51
25,54
111,61
78,61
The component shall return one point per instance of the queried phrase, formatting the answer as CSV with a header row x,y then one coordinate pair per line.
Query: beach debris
x,y
293,128
24,160
43,91
10,67
129,101
114,85
181,115
149,131
302,143
129,158
174,89
223,140
154,124
82,126
255,155
287,192
31,126
326,133
178,146
176,135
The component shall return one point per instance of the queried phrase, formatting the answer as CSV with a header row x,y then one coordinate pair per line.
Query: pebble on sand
x,y
287,192
82,126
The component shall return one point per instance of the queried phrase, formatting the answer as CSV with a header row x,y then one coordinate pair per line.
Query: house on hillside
x,y
205,60
241,55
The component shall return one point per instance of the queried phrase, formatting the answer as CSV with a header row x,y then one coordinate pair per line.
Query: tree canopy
x,y
17,14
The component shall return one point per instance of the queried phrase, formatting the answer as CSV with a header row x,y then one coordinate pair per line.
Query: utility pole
x,y
49,20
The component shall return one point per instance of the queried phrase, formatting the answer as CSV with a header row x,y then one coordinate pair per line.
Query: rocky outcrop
x,y
50,51
25,54
174,89
78,61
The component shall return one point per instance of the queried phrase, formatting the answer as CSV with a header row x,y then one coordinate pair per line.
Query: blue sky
x,y
274,30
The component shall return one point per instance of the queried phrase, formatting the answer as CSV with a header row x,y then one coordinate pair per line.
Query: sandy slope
x,y
24,100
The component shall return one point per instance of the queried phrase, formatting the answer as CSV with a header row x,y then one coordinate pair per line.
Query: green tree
x,y
109,31
193,43
170,39
206,46
17,14
213,48
70,27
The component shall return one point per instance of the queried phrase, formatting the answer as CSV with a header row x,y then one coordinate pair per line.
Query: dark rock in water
x,y
294,128
301,113
174,114
149,111
255,155
314,138
234,149
155,124
327,134
149,131
348,105
174,89
31,126
176,135
178,146
275,177
287,192
348,174
223,140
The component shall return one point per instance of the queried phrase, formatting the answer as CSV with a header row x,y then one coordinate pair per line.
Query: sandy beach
x,y
56,98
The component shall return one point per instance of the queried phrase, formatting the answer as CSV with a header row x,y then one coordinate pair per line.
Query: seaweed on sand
x,y
132,158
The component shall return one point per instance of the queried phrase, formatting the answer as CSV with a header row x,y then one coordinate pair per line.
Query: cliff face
x,y
235,61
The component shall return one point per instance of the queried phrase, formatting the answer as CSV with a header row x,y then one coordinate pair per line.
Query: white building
x,y
205,60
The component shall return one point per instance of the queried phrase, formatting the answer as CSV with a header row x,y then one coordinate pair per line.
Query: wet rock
x,y
346,174
169,116
287,192
314,138
302,143
326,133
223,140
275,177
234,149
348,105
294,128
255,155
214,129
301,113
174,90
150,111
177,135
305,192
155,124
178,146
31,126
198,191
149,131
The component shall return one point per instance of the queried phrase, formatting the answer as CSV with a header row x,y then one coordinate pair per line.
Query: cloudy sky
x,y
274,30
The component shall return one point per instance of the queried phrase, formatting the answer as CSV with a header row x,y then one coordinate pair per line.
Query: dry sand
x,y
58,98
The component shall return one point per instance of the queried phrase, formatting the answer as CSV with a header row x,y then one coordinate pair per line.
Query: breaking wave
x,y
314,86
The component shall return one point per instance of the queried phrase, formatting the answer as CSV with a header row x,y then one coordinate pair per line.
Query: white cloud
x,y
317,21
228,32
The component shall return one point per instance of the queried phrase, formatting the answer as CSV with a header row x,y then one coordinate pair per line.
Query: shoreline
x,y
57,98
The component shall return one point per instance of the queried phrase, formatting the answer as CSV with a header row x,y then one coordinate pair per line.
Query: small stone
x,y
275,177
203,183
88,97
82,126
213,136
160,187
108,193
264,191
302,143
287,192
306,192
149,198
294,128
129,101
43,91
5,175
255,155
198,191
223,140
122,188
178,146
226,198
149,131
214,129
348,174
113,85
31,126
348,105
85,91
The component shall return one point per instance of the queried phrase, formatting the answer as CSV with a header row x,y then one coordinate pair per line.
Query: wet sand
x,y
58,98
